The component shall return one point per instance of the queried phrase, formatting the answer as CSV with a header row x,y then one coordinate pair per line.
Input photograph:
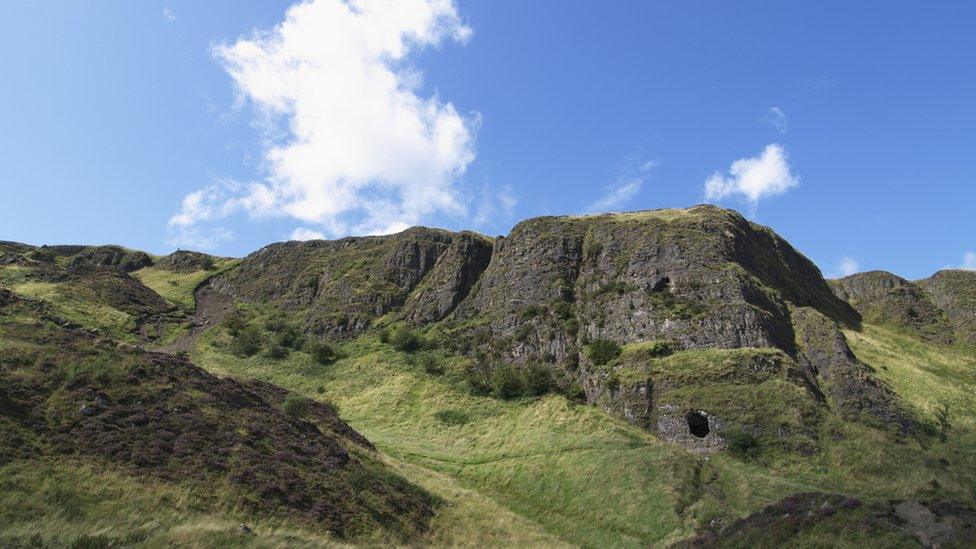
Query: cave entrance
x,y
661,285
697,424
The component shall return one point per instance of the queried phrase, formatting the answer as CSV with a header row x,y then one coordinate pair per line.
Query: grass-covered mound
x,y
67,394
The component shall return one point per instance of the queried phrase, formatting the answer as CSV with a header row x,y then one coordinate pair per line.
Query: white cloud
x,y
775,118
494,205
847,266
303,233
198,238
969,261
168,14
754,178
626,187
352,145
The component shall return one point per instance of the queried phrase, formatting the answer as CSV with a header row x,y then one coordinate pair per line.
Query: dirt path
x,y
212,307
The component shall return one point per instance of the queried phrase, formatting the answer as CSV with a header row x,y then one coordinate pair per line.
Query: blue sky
x,y
847,128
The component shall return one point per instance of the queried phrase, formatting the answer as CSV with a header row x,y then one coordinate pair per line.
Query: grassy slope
x,y
68,304
178,287
577,473
91,505
590,479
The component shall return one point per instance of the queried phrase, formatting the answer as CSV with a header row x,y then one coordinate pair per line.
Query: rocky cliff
x,y
697,279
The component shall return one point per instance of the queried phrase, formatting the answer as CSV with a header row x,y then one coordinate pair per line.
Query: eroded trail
x,y
211,308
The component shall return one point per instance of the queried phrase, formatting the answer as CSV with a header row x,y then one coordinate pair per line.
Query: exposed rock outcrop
x,y
954,291
337,288
889,300
112,256
859,395
702,277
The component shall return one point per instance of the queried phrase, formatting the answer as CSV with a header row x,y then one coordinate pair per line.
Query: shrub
x,y
207,263
741,444
452,417
405,339
277,351
575,392
323,353
247,342
537,379
235,322
296,406
506,382
431,365
602,351
478,376
384,335
289,336
563,310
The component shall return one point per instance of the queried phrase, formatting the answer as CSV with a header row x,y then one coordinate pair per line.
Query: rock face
x,y
185,261
954,291
337,288
112,256
886,299
859,395
702,277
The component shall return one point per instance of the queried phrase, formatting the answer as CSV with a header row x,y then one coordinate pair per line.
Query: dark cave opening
x,y
661,285
697,424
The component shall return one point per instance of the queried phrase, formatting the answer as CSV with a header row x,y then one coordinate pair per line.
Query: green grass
x,y
571,470
589,479
80,311
71,503
178,287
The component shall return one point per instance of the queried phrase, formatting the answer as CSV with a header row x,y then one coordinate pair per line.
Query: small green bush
x,y
235,322
247,342
478,375
452,417
563,310
207,263
602,351
323,353
741,444
405,339
277,351
537,379
575,392
296,406
506,382
431,364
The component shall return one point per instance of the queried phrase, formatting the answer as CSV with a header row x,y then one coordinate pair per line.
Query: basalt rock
x,y
954,291
859,395
702,277
112,256
185,261
886,299
337,288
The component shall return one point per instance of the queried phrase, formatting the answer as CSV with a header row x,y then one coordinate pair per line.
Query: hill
x,y
644,378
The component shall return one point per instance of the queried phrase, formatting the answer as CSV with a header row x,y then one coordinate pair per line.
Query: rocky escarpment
x,y
702,277
889,300
954,291
853,388
68,394
337,288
